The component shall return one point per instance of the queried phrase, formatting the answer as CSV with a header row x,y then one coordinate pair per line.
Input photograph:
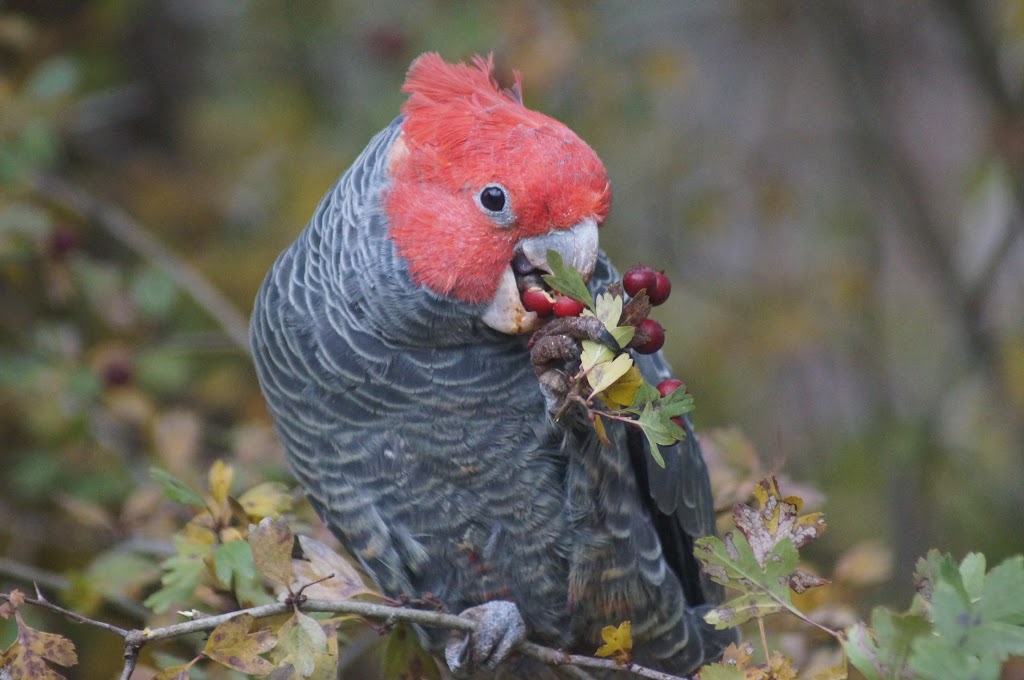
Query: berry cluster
x,y
639,279
590,339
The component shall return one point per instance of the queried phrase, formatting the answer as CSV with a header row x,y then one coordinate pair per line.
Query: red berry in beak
x,y
566,306
538,301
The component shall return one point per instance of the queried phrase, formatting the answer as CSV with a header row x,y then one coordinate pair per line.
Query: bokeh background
x,y
836,189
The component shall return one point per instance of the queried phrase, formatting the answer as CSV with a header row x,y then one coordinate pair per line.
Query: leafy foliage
x,y
963,623
615,388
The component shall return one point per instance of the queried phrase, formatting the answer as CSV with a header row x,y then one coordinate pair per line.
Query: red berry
x,y
667,387
566,306
637,278
654,333
537,300
661,289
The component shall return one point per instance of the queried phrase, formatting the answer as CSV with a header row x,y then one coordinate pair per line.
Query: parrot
x,y
393,350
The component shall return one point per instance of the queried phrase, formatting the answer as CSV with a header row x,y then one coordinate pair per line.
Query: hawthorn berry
x,y
538,301
661,289
654,333
667,387
639,277
566,306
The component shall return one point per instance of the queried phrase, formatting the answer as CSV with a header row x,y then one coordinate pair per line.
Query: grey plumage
x,y
422,439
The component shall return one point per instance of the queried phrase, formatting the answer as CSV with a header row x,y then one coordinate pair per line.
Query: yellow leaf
x,y
594,353
599,429
268,499
603,376
271,543
221,475
618,642
624,390
232,645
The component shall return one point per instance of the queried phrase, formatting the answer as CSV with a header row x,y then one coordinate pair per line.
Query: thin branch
x,y
128,231
136,639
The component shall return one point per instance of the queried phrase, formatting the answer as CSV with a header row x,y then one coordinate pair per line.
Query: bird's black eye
x,y
492,198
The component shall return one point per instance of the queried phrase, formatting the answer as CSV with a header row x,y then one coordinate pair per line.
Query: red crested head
x,y
474,172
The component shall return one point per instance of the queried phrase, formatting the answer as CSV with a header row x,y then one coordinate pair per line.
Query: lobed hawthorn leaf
x,y
623,391
883,650
760,558
232,645
182,573
28,654
175,489
608,309
776,520
320,561
567,280
301,642
233,562
676,403
271,542
268,499
594,353
618,642
604,375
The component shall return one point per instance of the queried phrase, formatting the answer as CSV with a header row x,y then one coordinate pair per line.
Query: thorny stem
x,y
136,639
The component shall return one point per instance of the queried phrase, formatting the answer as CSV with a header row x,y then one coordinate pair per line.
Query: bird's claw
x,y
499,628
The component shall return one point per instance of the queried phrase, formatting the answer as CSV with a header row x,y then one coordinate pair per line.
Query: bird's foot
x,y
499,628
555,355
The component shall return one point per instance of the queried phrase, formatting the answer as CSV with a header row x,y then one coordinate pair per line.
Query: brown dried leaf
x,y
801,581
232,645
776,519
636,310
26,658
271,542
345,582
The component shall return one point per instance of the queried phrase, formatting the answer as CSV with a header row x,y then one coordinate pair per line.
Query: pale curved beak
x,y
578,247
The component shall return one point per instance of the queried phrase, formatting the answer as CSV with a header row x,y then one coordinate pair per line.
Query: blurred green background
x,y
836,189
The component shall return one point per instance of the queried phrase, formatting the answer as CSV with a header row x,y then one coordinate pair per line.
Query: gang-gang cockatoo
x,y
392,347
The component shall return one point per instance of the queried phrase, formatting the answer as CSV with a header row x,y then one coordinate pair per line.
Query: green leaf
x,y
655,431
301,640
233,559
405,659
567,280
175,489
1003,596
732,563
182,574
886,653
676,403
